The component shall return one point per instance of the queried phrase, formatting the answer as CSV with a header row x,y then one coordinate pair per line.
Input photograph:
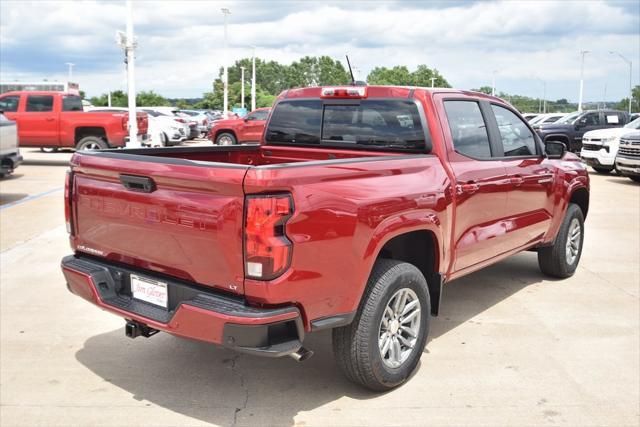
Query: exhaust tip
x,y
301,355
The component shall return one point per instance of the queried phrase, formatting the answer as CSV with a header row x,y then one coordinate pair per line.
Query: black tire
x,y
602,169
553,259
635,178
49,149
226,138
91,143
355,346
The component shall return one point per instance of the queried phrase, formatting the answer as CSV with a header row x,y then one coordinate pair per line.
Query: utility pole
x,y
493,83
225,76
109,99
253,79
242,87
70,65
433,79
630,75
582,53
543,101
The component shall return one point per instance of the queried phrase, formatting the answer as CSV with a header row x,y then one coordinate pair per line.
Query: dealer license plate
x,y
149,290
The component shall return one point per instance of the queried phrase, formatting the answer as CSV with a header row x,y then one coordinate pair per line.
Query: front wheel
x,y
635,178
49,149
381,348
561,259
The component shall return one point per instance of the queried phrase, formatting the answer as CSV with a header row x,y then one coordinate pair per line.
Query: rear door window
x,y
39,103
468,129
72,103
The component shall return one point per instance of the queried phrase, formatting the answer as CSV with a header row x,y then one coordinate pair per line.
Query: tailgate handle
x,y
141,184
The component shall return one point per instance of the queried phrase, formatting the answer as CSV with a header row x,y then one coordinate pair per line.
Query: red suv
x,y
234,131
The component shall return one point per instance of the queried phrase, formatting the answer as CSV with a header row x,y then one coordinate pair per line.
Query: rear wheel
x,y
602,169
561,259
91,143
49,149
381,348
226,138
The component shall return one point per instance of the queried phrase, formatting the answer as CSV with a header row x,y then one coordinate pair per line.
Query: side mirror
x,y
555,149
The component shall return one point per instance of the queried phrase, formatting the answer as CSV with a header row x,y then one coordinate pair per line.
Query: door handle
x,y
468,188
516,180
49,119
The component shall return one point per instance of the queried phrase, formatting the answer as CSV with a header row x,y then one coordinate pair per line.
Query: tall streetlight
x,y
70,65
543,101
253,79
582,53
433,80
225,76
242,87
630,74
493,83
129,44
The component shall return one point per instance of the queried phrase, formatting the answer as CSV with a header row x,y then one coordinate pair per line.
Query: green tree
x,y
483,89
635,101
150,99
400,75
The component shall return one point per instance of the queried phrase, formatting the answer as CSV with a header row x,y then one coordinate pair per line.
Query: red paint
x,y
244,130
57,128
192,226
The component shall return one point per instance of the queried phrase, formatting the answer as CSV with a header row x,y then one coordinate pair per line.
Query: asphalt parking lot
x,y
510,347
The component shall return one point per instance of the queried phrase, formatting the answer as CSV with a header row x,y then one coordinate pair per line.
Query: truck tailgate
x,y
177,217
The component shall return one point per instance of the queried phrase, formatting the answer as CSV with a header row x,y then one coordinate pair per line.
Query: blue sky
x,y
181,42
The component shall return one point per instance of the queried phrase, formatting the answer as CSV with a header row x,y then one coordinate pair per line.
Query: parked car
x,y
237,130
57,120
628,157
350,215
546,118
173,132
530,116
191,128
10,157
201,119
600,147
570,129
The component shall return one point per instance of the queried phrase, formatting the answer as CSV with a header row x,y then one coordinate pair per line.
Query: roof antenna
x,y
353,80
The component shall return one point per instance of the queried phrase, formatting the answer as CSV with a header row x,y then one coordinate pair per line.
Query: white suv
x,y
599,147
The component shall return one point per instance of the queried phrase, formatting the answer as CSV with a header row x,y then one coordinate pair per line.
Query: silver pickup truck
x,y
10,156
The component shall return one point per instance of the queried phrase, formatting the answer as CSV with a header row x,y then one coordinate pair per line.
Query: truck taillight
x,y
180,120
68,188
344,92
267,251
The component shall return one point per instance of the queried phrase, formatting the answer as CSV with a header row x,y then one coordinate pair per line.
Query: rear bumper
x,y
9,162
193,312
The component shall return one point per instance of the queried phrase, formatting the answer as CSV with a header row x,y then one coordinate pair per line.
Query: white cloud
x,y
181,42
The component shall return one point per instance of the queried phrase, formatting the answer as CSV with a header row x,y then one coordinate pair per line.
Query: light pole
x,y
129,44
433,79
630,75
543,101
253,79
225,76
70,65
242,87
583,53
493,83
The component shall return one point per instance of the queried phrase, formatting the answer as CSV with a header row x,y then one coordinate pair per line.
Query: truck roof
x,y
39,92
382,91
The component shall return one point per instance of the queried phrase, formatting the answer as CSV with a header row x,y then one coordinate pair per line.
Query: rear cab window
x,y
72,103
384,124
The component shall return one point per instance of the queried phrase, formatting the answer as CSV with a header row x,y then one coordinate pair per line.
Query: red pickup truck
x,y
52,120
357,207
234,131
